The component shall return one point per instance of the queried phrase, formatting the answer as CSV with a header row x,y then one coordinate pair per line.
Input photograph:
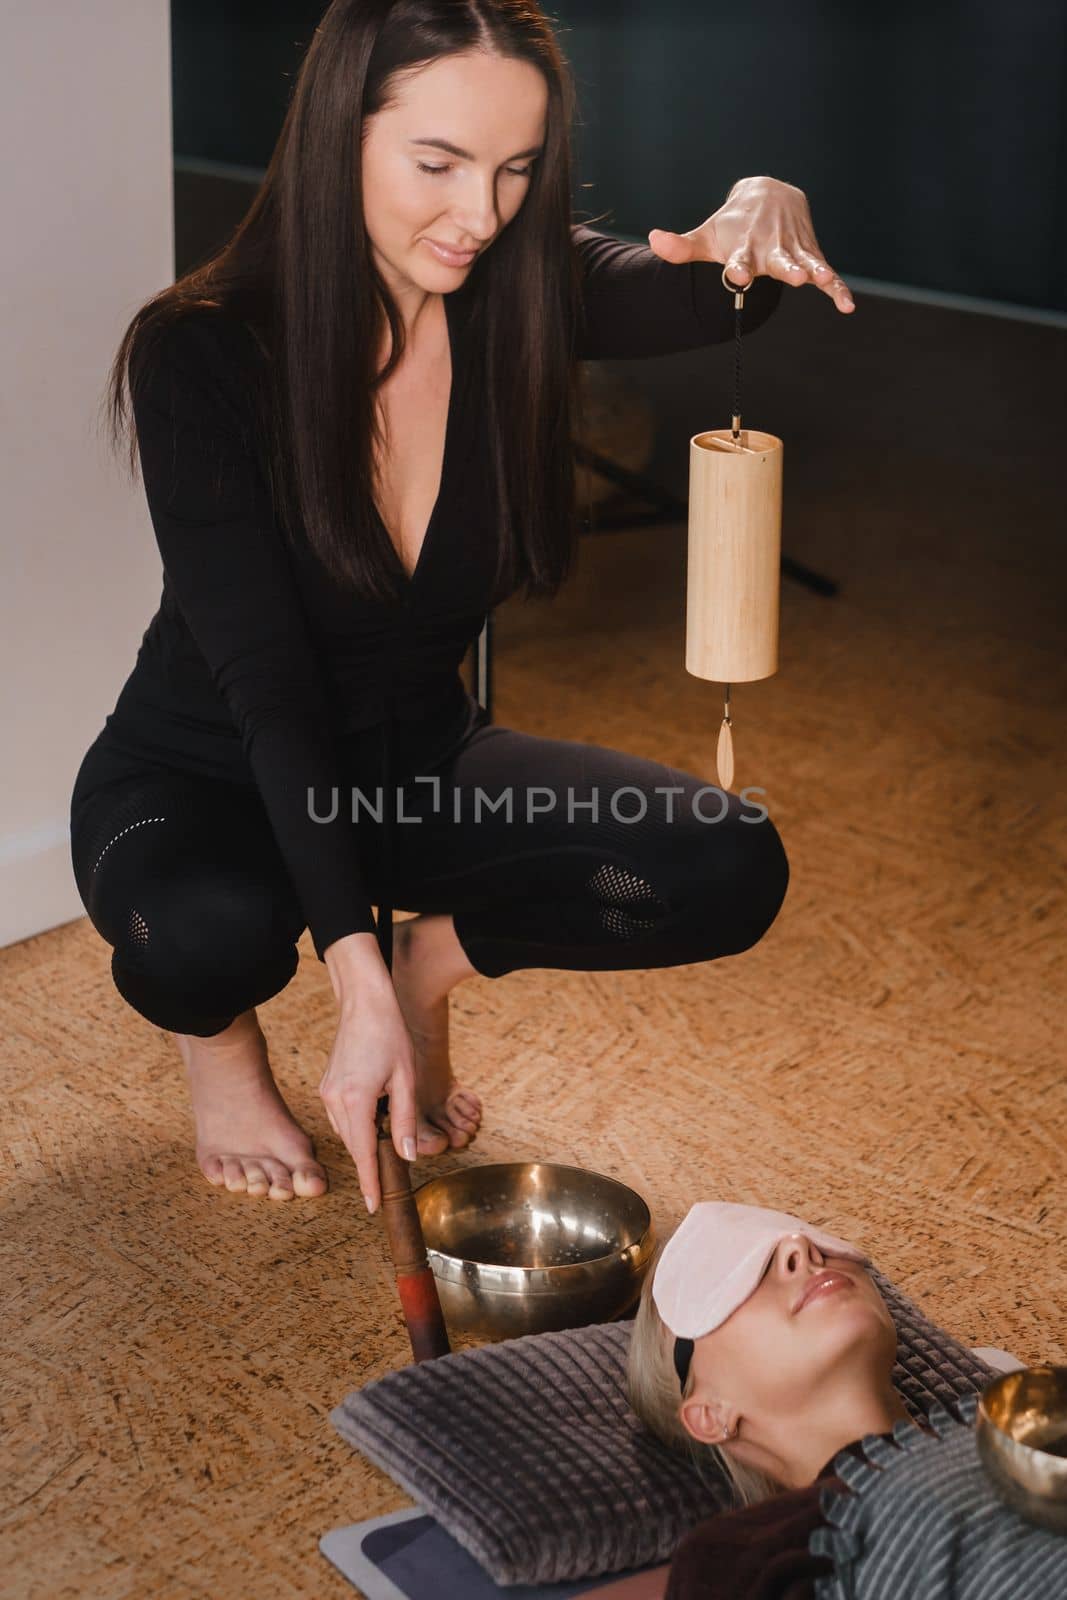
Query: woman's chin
x,y
850,1321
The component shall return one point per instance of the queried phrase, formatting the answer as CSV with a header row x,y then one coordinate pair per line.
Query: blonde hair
x,y
652,1390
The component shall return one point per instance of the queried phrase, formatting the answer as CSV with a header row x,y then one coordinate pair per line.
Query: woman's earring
x,y
726,1432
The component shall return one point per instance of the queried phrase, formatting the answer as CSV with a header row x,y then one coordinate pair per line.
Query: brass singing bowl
x,y
1021,1427
530,1247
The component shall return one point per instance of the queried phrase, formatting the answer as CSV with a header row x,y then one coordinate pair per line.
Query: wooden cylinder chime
x,y
734,554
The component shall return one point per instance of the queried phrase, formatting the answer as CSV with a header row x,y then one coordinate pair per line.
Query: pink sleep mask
x,y
716,1258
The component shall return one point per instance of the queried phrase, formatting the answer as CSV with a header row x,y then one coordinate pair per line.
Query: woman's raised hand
x,y
372,1055
764,227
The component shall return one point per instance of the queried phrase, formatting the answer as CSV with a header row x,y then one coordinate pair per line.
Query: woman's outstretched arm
x,y
636,304
668,295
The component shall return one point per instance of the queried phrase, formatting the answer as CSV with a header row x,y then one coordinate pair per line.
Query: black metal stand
x,y
482,687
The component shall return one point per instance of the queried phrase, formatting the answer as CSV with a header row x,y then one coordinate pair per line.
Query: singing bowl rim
x,y
696,440
504,1279
1030,1471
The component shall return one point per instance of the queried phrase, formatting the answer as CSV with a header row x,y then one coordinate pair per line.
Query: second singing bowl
x,y
530,1247
1021,1431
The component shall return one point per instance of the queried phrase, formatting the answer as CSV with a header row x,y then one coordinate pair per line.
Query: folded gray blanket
x,y
528,1454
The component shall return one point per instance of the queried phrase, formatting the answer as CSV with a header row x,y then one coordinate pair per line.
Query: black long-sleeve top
x,y
256,666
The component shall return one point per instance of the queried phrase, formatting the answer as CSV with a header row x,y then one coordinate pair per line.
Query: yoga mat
x,y
408,1556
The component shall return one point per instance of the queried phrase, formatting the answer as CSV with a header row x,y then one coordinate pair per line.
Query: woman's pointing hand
x,y
372,1055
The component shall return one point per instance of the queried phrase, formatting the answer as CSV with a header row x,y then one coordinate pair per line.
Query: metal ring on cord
x,y
734,288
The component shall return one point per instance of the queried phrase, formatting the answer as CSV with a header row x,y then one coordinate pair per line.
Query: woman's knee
x,y
207,942
181,1008
184,881
738,877
757,880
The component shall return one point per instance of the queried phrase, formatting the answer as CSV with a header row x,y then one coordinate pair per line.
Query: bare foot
x,y
246,1137
427,962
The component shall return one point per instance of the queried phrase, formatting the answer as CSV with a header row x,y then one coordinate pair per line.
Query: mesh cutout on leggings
x,y
138,930
623,896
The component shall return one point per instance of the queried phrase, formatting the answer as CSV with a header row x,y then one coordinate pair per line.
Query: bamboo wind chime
x,y
734,554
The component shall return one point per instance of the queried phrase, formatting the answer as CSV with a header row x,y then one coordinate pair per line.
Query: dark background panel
x,y
930,138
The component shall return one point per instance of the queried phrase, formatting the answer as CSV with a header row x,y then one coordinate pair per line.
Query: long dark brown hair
x,y
298,272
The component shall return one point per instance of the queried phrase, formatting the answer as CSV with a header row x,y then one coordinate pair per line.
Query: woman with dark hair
x,y
354,428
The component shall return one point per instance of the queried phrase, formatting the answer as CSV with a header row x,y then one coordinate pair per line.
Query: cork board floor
x,y
888,1061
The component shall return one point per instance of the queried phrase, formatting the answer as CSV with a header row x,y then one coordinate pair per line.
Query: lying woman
x,y
762,1347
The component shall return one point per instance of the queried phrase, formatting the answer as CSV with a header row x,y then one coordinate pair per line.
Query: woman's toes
x,y
459,1136
256,1180
265,1175
462,1114
465,1110
211,1167
233,1173
430,1140
450,1124
281,1179
309,1179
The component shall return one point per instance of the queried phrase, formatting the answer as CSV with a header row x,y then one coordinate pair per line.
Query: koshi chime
x,y
734,560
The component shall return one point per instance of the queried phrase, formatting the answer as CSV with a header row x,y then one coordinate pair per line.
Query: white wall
x,y
86,234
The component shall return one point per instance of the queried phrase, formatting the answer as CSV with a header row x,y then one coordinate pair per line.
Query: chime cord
x,y
739,300
735,423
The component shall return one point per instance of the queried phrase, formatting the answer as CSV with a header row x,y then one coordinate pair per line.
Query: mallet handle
x,y
415,1281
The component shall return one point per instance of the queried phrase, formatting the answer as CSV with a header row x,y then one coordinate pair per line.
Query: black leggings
x,y
182,876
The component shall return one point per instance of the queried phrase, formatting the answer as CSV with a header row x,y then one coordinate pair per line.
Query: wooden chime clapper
x,y
734,554
415,1282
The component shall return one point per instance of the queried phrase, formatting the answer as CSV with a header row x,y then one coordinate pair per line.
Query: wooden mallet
x,y
415,1282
